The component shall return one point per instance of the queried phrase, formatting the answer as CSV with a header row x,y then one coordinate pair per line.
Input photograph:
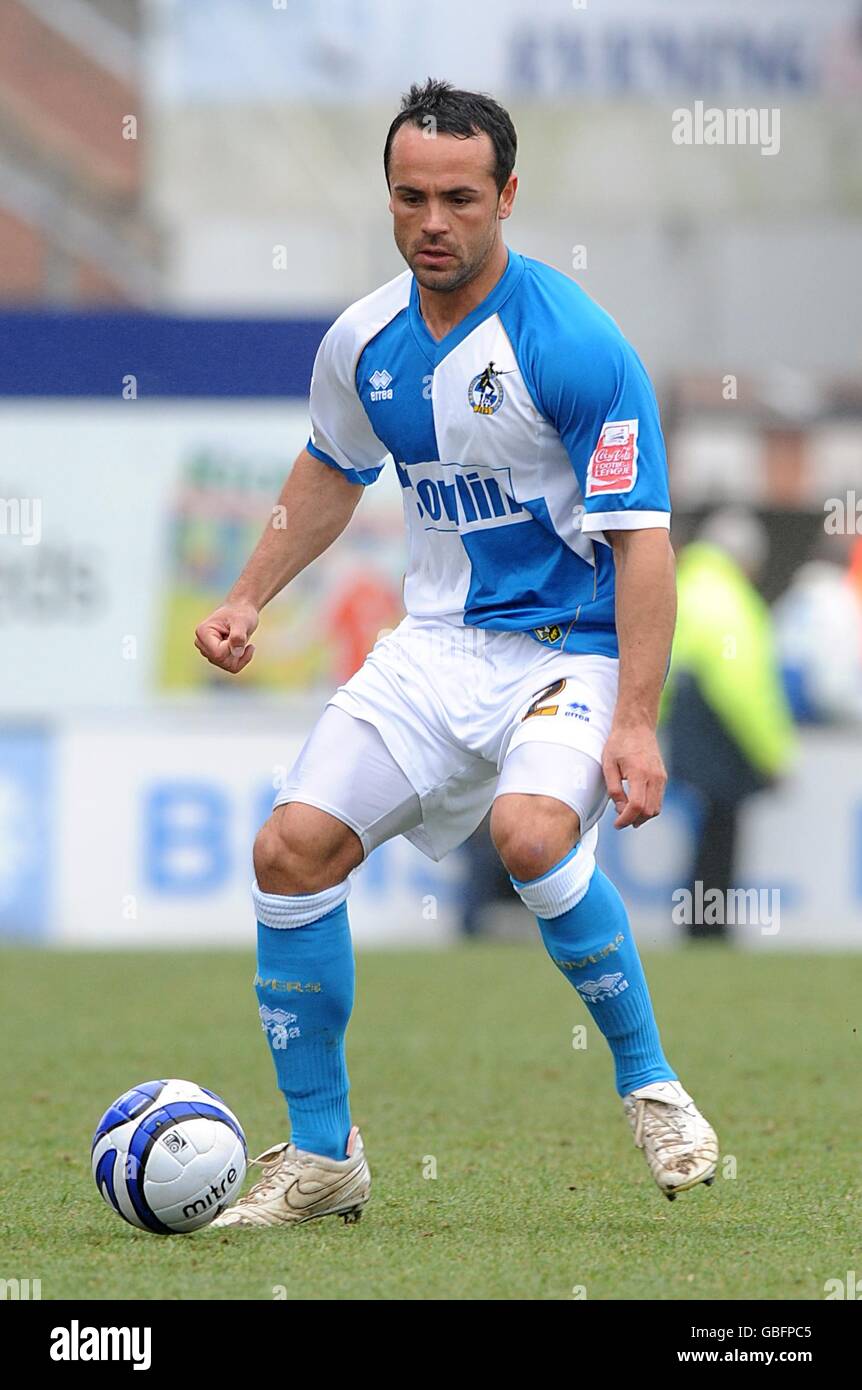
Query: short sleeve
x,y
608,419
341,433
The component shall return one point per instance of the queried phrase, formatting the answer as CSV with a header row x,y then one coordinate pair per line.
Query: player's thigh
x,y
551,791
346,788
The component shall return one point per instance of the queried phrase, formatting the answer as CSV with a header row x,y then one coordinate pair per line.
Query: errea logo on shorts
x,y
613,466
575,710
380,388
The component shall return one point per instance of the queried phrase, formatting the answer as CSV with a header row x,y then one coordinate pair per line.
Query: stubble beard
x,y
444,282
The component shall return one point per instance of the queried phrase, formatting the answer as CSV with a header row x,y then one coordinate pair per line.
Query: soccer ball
x,y
168,1156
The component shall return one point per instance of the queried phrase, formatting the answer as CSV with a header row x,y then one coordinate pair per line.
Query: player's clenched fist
x,y
223,637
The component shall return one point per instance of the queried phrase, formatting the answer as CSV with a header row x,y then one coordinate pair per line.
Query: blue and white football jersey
x,y
519,439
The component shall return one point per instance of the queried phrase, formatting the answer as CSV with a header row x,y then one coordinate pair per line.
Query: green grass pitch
x,y
461,1060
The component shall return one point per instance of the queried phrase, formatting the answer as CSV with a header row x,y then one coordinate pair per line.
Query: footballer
x,y
525,677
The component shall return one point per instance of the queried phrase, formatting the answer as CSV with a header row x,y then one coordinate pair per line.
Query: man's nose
x,y
435,222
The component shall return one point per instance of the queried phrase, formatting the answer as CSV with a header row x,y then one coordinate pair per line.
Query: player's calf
x,y
305,981
587,934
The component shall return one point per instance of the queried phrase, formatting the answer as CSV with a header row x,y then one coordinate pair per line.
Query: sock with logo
x,y
304,984
586,931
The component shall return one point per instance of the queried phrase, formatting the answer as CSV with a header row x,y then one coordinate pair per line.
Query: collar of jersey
x,y
434,351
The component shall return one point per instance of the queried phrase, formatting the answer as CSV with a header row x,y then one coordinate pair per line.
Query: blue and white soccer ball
x,y
168,1156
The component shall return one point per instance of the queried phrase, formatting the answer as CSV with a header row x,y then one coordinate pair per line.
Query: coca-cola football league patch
x,y
614,463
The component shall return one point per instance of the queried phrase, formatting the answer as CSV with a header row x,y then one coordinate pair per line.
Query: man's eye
x,y
460,202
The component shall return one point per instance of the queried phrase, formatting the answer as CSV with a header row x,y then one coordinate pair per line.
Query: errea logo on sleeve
x,y
613,466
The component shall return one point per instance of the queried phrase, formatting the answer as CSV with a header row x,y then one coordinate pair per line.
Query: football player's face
x,y
445,204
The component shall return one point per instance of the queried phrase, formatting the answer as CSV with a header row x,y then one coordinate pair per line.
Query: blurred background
x,y
190,192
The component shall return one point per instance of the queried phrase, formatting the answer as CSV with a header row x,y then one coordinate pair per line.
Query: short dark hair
x,y
462,114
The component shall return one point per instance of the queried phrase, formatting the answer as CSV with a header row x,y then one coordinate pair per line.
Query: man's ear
x,y
507,197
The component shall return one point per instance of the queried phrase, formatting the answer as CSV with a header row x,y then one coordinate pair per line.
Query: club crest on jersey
x,y
485,392
614,463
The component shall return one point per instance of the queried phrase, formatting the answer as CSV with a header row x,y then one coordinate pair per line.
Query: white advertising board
x,y
120,833
125,523
155,833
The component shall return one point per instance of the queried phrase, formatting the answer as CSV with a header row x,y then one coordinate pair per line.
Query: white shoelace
x,y
668,1123
271,1180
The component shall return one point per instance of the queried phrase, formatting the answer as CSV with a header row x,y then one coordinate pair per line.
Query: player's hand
x,y
632,755
223,637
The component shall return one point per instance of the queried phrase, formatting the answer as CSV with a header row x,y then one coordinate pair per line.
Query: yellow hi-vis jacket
x,y
724,641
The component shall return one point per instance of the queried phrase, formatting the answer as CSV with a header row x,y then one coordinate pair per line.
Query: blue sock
x,y
591,943
304,984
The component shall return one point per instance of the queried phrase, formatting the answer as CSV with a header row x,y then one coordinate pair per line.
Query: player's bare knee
x,y
303,850
529,855
272,852
532,833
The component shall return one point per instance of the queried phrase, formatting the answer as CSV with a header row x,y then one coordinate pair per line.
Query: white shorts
x,y
466,714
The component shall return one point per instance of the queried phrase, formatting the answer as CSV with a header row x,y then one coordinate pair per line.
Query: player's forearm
x,y
645,616
313,509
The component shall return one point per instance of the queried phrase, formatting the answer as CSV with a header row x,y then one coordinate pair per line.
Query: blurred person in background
x,y
485,889
818,625
728,722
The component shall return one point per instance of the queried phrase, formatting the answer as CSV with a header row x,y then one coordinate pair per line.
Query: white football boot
x,y
679,1145
299,1186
